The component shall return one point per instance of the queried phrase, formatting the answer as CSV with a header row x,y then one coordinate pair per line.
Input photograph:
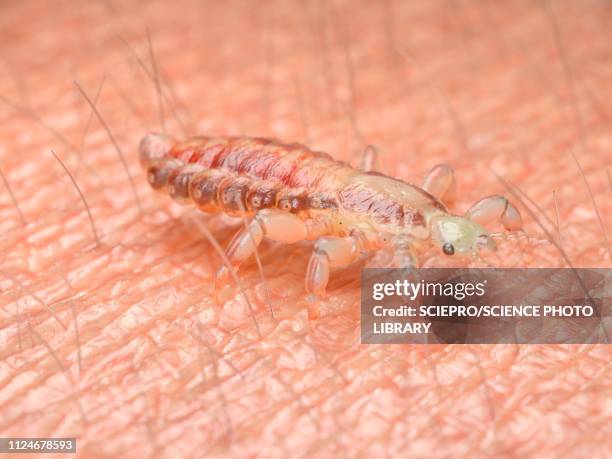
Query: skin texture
x,y
157,364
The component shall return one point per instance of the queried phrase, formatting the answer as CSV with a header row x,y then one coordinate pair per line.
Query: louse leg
x,y
271,223
404,257
405,260
494,208
440,182
328,252
369,159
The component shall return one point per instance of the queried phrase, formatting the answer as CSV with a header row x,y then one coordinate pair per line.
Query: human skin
x,y
124,344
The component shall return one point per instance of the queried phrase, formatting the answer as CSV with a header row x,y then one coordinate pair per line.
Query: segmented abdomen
x,y
231,174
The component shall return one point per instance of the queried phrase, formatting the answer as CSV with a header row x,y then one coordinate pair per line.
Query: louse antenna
x,y
516,236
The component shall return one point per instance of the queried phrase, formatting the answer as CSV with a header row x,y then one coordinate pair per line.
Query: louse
x,y
292,193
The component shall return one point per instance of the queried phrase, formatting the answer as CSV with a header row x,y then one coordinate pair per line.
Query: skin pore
x,y
117,337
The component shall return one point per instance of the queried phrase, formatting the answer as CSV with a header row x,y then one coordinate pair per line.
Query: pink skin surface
x,y
124,343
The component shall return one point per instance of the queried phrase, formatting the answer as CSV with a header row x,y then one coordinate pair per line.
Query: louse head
x,y
154,146
459,235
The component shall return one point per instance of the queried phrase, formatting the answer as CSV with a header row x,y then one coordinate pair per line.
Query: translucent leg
x,y
271,223
328,252
494,208
369,159
440,182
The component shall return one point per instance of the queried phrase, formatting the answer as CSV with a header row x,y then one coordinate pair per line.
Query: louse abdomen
x,y
211,190
231,175
217,190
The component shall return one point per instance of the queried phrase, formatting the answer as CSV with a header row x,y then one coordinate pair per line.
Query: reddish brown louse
x,y
293,193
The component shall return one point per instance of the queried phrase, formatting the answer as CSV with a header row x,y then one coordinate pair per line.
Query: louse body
x,y
293,193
